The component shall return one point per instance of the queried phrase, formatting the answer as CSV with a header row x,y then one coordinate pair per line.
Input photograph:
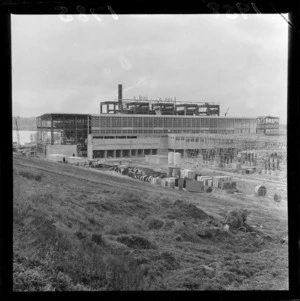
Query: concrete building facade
x,y
132,135
123,135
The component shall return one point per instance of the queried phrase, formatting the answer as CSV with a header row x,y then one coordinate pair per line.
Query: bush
x,y
92,220
155,223
98,239
188,233
236,218
169,225
25,279
81,235
123,273
31,175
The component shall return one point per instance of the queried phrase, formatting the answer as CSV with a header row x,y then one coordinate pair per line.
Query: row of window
x,y
169,122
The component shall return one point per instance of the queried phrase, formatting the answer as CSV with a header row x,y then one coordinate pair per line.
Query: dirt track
x,y
264,208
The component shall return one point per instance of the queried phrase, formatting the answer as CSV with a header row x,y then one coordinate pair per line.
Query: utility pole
x,y
17,130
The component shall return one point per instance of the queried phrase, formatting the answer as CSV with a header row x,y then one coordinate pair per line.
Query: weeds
x,y
57,248
136,242
31,175
155,223
81,235
98,239
236,218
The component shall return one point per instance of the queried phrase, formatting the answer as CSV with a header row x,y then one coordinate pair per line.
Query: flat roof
x,y
48,115
171,116
272,117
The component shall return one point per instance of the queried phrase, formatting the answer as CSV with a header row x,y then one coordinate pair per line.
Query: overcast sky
x,y
70,67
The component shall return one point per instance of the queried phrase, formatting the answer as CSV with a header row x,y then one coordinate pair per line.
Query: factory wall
x,y
125,124
112,146
123,135
67,150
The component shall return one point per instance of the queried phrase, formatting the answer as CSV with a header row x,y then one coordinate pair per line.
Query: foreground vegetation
x,y
70,235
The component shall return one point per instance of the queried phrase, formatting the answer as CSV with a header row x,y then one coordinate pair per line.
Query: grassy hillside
x,y
25,123
73,233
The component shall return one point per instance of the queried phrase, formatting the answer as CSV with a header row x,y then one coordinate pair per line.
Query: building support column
x,y
52,135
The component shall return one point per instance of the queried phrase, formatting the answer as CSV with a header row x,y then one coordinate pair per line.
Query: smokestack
x,y
120,96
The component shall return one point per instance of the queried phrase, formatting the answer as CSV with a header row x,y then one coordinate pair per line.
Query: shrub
x,y
123,273
236,218
169,225
81,235
92,220
98,239
169,260
155,223
178,238
191,284
188,233
26,279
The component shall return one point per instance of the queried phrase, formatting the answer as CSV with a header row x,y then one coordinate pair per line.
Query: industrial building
x,y
62,134
134,128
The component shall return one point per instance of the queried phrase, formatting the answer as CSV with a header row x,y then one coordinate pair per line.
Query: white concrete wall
x,y
156,159
90,147
139,143
67,150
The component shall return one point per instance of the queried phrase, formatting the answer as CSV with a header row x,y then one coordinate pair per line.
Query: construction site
x,y
149,132
130,182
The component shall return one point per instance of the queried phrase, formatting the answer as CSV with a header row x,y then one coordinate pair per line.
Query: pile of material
x,y
260,190
217,180
187,173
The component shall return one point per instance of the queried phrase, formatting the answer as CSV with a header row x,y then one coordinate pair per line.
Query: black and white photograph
x,y
149,151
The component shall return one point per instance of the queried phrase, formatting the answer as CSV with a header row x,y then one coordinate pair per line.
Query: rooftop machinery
x,y
158,107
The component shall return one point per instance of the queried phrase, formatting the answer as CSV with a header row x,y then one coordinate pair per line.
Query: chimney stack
x,y
120,96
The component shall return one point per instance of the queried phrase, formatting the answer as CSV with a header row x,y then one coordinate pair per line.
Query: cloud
x,y
242,64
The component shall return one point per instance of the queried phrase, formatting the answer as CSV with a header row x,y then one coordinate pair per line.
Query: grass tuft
x,y
31,175
136,242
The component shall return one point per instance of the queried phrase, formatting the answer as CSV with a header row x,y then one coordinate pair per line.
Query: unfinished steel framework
x,y
62,129
159,107
168,106
222,147
268,125
140,127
